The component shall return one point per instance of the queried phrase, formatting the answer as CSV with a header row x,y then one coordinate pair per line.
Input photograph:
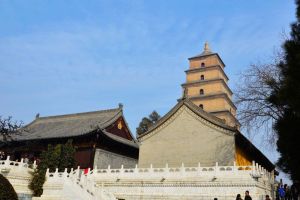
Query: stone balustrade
x,y
8,164
254,170
18,174
191,182
183,182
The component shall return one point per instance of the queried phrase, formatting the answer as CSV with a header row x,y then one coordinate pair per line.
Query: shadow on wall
x,y
225,153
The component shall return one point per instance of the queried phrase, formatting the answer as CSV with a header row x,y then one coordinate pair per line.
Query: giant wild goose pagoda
x,y
195,151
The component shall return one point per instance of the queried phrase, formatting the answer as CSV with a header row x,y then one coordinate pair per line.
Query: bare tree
x,y
8,128
255,112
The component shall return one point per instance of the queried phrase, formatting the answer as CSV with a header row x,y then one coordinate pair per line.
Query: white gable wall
x,y
189,139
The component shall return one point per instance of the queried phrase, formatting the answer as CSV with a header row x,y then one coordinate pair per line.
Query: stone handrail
x,y
7,163
254,170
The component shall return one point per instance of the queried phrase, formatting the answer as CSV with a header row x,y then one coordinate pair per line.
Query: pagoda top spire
x,y
206,48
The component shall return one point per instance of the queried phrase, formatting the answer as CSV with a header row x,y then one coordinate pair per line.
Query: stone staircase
x,y
73,185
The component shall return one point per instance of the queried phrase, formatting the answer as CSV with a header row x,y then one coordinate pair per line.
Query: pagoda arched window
x,y
201,106
201,92
202,77
203,64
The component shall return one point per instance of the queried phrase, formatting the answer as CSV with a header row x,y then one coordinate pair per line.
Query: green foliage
x,y
67,156
37,182
286,94
60,156
147,122
7,191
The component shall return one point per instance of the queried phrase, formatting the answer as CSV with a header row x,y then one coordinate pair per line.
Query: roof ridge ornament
x,y
185,94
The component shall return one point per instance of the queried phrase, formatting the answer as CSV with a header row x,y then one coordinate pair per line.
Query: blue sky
x,y
59,57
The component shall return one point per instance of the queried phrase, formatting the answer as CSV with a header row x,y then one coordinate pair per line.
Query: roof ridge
x,y
207,116
78,114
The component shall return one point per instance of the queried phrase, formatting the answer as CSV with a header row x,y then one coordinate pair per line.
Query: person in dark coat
x,y
268,197
238,197
247,196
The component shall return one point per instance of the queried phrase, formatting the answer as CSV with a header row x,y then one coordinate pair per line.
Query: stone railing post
x,y
77,172
151,168
65,174
122,170
182,169
199,168
82,177
234,168
47,172
55,175
7,161
95,170
34,164
216,169
136,170
20,164
253,167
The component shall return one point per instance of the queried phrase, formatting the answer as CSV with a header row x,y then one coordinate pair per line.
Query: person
x,y
238,197
294,192
247,196
268,197
281,192
287,192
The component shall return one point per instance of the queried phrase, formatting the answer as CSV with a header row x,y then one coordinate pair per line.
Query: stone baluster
x,y
256,168
47,173
253,167
81,179
71,174
234,168
55,175
182,169
216,168
95,170
21,163
122,170
7,161
34,164
199,168
77,172
259,169
108,169
151,168
166,170
136,170
65,174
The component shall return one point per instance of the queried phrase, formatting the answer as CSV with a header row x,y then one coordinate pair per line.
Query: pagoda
x,y
207,86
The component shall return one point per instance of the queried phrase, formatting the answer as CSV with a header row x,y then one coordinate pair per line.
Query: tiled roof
x,y
70,125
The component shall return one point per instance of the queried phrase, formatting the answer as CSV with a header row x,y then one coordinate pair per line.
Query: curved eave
x,y
226,111
243,142
214,96
134,139
198,111
206,68
208,81
121,140
112,120
207,55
